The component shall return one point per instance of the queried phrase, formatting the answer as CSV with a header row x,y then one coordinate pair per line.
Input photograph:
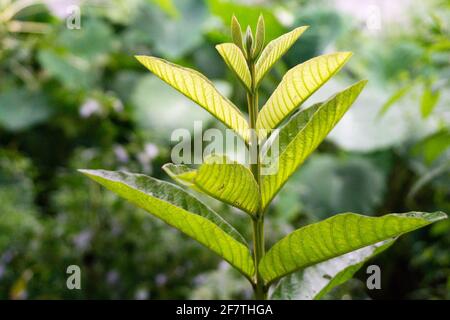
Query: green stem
x,y
260,291
258,252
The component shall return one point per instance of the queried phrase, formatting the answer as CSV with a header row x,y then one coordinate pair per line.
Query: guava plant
x,y
308,262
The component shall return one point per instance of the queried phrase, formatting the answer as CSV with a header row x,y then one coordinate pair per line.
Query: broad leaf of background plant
x,y
181,210
274,50
301,136
296,86
222,179
21,109
315,281
235,60
198,88
336,236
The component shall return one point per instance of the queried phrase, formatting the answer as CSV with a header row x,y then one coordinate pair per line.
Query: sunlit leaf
x,y
297,85
259,36
236,34
302,135
336,236
181,210
199,89
222,179
315,281
274,50
235,60
247,14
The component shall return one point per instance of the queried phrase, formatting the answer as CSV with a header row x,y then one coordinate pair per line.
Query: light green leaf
x,y
393,99
181,210
297,85
168,7
222,179
236,33
259,36
302,135
198,88
248,15
428,101
336,236
181,174
315,281
274,50
235,60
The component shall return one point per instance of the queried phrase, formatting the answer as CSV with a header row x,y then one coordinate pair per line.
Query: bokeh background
x,y
76,98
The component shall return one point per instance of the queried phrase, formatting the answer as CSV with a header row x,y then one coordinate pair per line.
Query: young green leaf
x,y
336,236
235,60
297,85
199,89
249,42
317,280
181,174
274,51
236,34
259,37
181,210
222,179
302,135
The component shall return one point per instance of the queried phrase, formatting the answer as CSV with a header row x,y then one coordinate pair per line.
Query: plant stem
x,y
260,291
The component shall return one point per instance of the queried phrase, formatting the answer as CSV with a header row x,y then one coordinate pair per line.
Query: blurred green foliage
x,y
77,99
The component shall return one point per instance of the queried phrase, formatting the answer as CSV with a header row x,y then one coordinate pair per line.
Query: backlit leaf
x,y
315,281
302,135
297,85
274,50
181,210
235,60
199,89
336,236
259,36
222,179
236,33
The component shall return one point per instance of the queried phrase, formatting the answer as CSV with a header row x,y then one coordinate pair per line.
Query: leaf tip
x,y
302,28
140,58
363,82
435,216
87,172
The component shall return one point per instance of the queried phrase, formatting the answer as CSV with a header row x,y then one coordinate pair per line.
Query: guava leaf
x,y
297,85
199,89
315,281
182,211
223,179
274,50
335,236
302,135
235,60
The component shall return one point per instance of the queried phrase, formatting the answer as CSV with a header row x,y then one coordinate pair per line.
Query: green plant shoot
x,y
332,249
